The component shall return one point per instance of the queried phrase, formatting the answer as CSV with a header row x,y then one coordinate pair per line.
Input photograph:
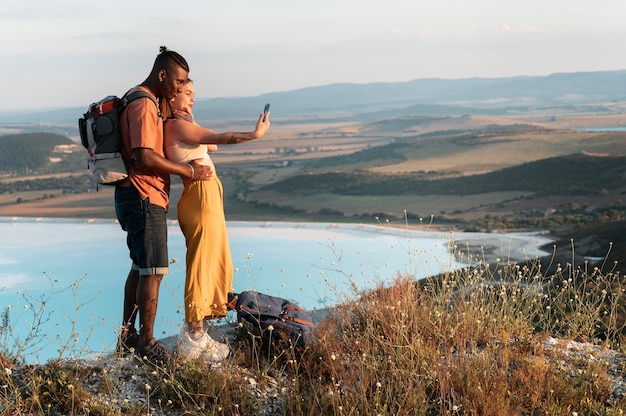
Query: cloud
x,y
22,280
7,260
519,28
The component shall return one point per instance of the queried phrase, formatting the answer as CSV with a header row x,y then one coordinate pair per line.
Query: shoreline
x,y
493,246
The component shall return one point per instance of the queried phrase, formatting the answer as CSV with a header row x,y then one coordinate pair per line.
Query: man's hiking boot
x,y
127,341
154,352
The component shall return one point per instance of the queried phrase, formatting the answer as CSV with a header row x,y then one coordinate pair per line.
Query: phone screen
x,y
265,110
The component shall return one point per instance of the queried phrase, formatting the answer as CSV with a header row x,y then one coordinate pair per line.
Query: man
x,y
142,200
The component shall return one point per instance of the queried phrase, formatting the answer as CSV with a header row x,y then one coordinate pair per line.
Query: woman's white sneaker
x,y
205,347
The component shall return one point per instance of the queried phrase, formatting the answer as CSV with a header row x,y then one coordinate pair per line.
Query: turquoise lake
x,y
77,268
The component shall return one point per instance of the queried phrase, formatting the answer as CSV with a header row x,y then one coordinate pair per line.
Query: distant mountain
x,y
427,96
420,96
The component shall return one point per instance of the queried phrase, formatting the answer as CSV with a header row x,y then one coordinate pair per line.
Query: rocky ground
x,y
132,388
132,384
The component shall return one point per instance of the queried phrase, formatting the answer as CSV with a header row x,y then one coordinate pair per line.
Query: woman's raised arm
x,y
195,134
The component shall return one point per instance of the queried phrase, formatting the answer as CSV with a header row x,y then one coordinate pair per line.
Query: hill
x,y
569,175
35,152
563,92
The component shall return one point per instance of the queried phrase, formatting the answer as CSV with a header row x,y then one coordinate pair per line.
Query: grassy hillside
x,y
35,152
493,177
415,144
578,174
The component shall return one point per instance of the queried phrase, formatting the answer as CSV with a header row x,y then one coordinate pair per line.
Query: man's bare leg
x,y
130,300
128,338
148,300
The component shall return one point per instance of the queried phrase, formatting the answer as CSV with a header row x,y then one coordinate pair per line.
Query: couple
x,y
158,143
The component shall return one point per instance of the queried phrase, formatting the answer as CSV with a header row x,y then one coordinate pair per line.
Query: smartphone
x,y
265,110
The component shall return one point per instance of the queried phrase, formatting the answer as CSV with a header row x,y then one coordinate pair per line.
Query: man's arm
x,y
150,159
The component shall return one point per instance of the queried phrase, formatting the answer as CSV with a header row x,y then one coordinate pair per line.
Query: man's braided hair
x,y
166,57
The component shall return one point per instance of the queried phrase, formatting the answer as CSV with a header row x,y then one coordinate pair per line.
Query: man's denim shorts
x,y
146,228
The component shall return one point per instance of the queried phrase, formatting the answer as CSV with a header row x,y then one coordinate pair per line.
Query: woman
x,y
209,269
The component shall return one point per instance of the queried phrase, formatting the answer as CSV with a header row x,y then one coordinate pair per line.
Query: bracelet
x,y
193,173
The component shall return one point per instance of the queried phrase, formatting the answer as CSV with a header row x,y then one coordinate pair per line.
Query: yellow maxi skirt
x,y
209,266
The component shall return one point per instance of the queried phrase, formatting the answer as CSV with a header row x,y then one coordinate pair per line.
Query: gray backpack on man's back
x,y
100,135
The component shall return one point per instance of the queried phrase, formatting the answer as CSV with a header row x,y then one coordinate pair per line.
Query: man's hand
x,y
183,115
201,172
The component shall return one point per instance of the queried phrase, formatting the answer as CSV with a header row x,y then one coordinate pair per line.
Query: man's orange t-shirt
x,y
142,127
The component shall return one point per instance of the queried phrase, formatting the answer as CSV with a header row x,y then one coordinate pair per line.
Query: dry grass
x,y
470,343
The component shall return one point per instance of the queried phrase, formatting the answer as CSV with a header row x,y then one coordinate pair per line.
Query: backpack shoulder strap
x,y
127,98
139,94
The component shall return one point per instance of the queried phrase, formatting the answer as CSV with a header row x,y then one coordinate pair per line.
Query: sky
x,y
72,53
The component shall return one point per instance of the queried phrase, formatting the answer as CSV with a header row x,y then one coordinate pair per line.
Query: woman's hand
x,y
262,126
